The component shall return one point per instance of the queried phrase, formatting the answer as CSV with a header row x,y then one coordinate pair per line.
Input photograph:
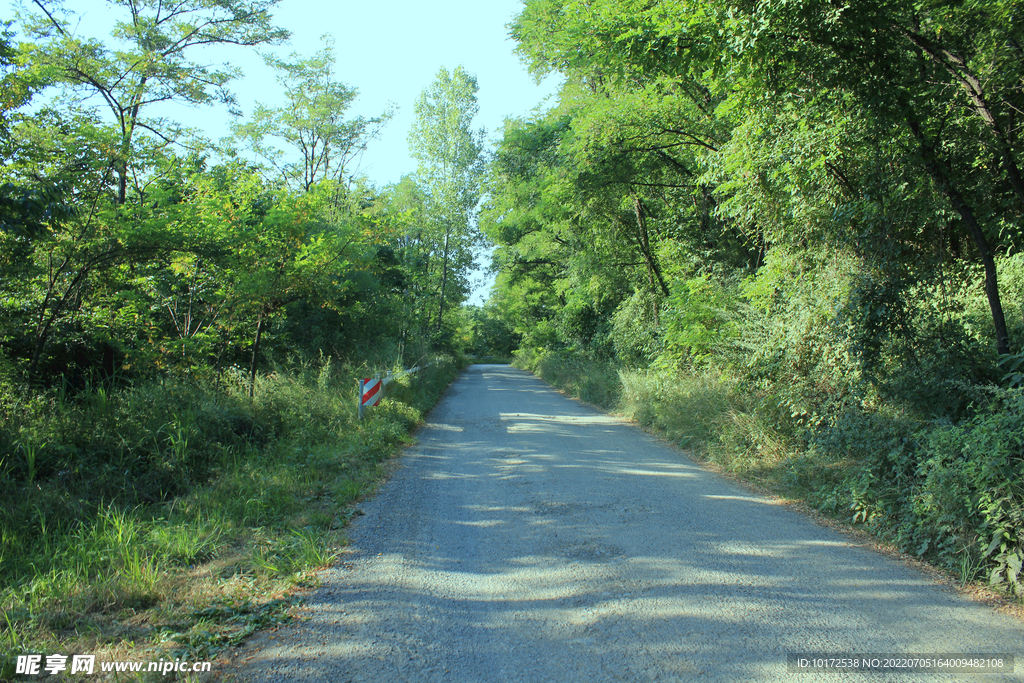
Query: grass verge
x,y
171,520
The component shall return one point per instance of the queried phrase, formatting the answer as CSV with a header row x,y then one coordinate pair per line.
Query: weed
x,y
134,512
31,451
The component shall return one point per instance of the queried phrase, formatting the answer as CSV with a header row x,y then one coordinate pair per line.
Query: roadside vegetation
x,y
175,518
787,235
182,324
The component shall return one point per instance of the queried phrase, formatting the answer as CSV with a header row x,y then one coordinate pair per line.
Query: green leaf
x,y
1013,565
996,577
994,544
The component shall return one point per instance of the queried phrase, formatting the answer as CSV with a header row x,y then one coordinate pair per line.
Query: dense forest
x,y
788,235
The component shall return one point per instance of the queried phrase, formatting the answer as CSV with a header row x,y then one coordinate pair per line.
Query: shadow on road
x,y
529,537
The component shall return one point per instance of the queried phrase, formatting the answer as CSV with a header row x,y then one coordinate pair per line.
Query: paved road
x,y
531,538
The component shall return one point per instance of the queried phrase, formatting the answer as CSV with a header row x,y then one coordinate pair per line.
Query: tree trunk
x,y
653,269
444,280
46,321
255,355
941,175
127,132
972,86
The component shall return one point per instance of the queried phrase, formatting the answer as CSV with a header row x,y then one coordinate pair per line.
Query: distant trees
x,y
450,171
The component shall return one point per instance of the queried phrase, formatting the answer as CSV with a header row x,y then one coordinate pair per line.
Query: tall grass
x,y
168,497
590,380
687,408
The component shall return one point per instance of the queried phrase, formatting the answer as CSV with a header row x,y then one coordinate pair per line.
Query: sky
x,y
390,50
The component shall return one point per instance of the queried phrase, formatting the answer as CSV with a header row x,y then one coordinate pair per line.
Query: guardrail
x,y
373,389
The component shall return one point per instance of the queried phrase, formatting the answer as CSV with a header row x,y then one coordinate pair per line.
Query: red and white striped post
x,y
370,392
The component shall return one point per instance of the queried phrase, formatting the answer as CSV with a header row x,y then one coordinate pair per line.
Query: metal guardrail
x,y
373,389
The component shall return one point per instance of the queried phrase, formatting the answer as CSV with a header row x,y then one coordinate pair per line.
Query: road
x,y
528,537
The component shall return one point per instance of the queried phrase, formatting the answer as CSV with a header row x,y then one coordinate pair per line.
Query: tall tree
x,y
320,143
450,170
949,74
151,61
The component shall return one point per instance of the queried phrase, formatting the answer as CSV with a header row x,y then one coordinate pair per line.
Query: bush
x,y
109,497
581,377
953,493
971,496
634,331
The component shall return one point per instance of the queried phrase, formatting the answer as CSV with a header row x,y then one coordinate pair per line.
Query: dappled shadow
x,y
530,538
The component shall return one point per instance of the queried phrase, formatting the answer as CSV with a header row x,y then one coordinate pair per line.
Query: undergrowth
x,y
173,518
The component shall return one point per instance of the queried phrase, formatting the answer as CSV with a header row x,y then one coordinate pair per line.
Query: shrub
x,y
971,497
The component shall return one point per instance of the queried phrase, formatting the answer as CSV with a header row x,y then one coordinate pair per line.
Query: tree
x,y
691,99
311,123
14,89
450,171
22,209
947,74
74,275
153,62
489,334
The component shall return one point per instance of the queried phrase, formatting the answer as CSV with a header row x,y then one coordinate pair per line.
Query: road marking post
x,y
371,391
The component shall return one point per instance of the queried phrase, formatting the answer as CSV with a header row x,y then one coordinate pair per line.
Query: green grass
x,y
589,380
175,517
687,408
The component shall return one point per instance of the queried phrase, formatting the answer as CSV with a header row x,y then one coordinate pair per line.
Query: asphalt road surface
x,y
528,537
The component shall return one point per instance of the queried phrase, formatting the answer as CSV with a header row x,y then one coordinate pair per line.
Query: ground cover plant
x,y
172,519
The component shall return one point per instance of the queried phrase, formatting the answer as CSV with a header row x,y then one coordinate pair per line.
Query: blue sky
x,y
389,49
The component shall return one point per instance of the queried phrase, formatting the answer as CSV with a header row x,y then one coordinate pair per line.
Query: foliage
x,y
135,489
310,123
700,319
149,62
490,335
448,152
793,228
635,332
